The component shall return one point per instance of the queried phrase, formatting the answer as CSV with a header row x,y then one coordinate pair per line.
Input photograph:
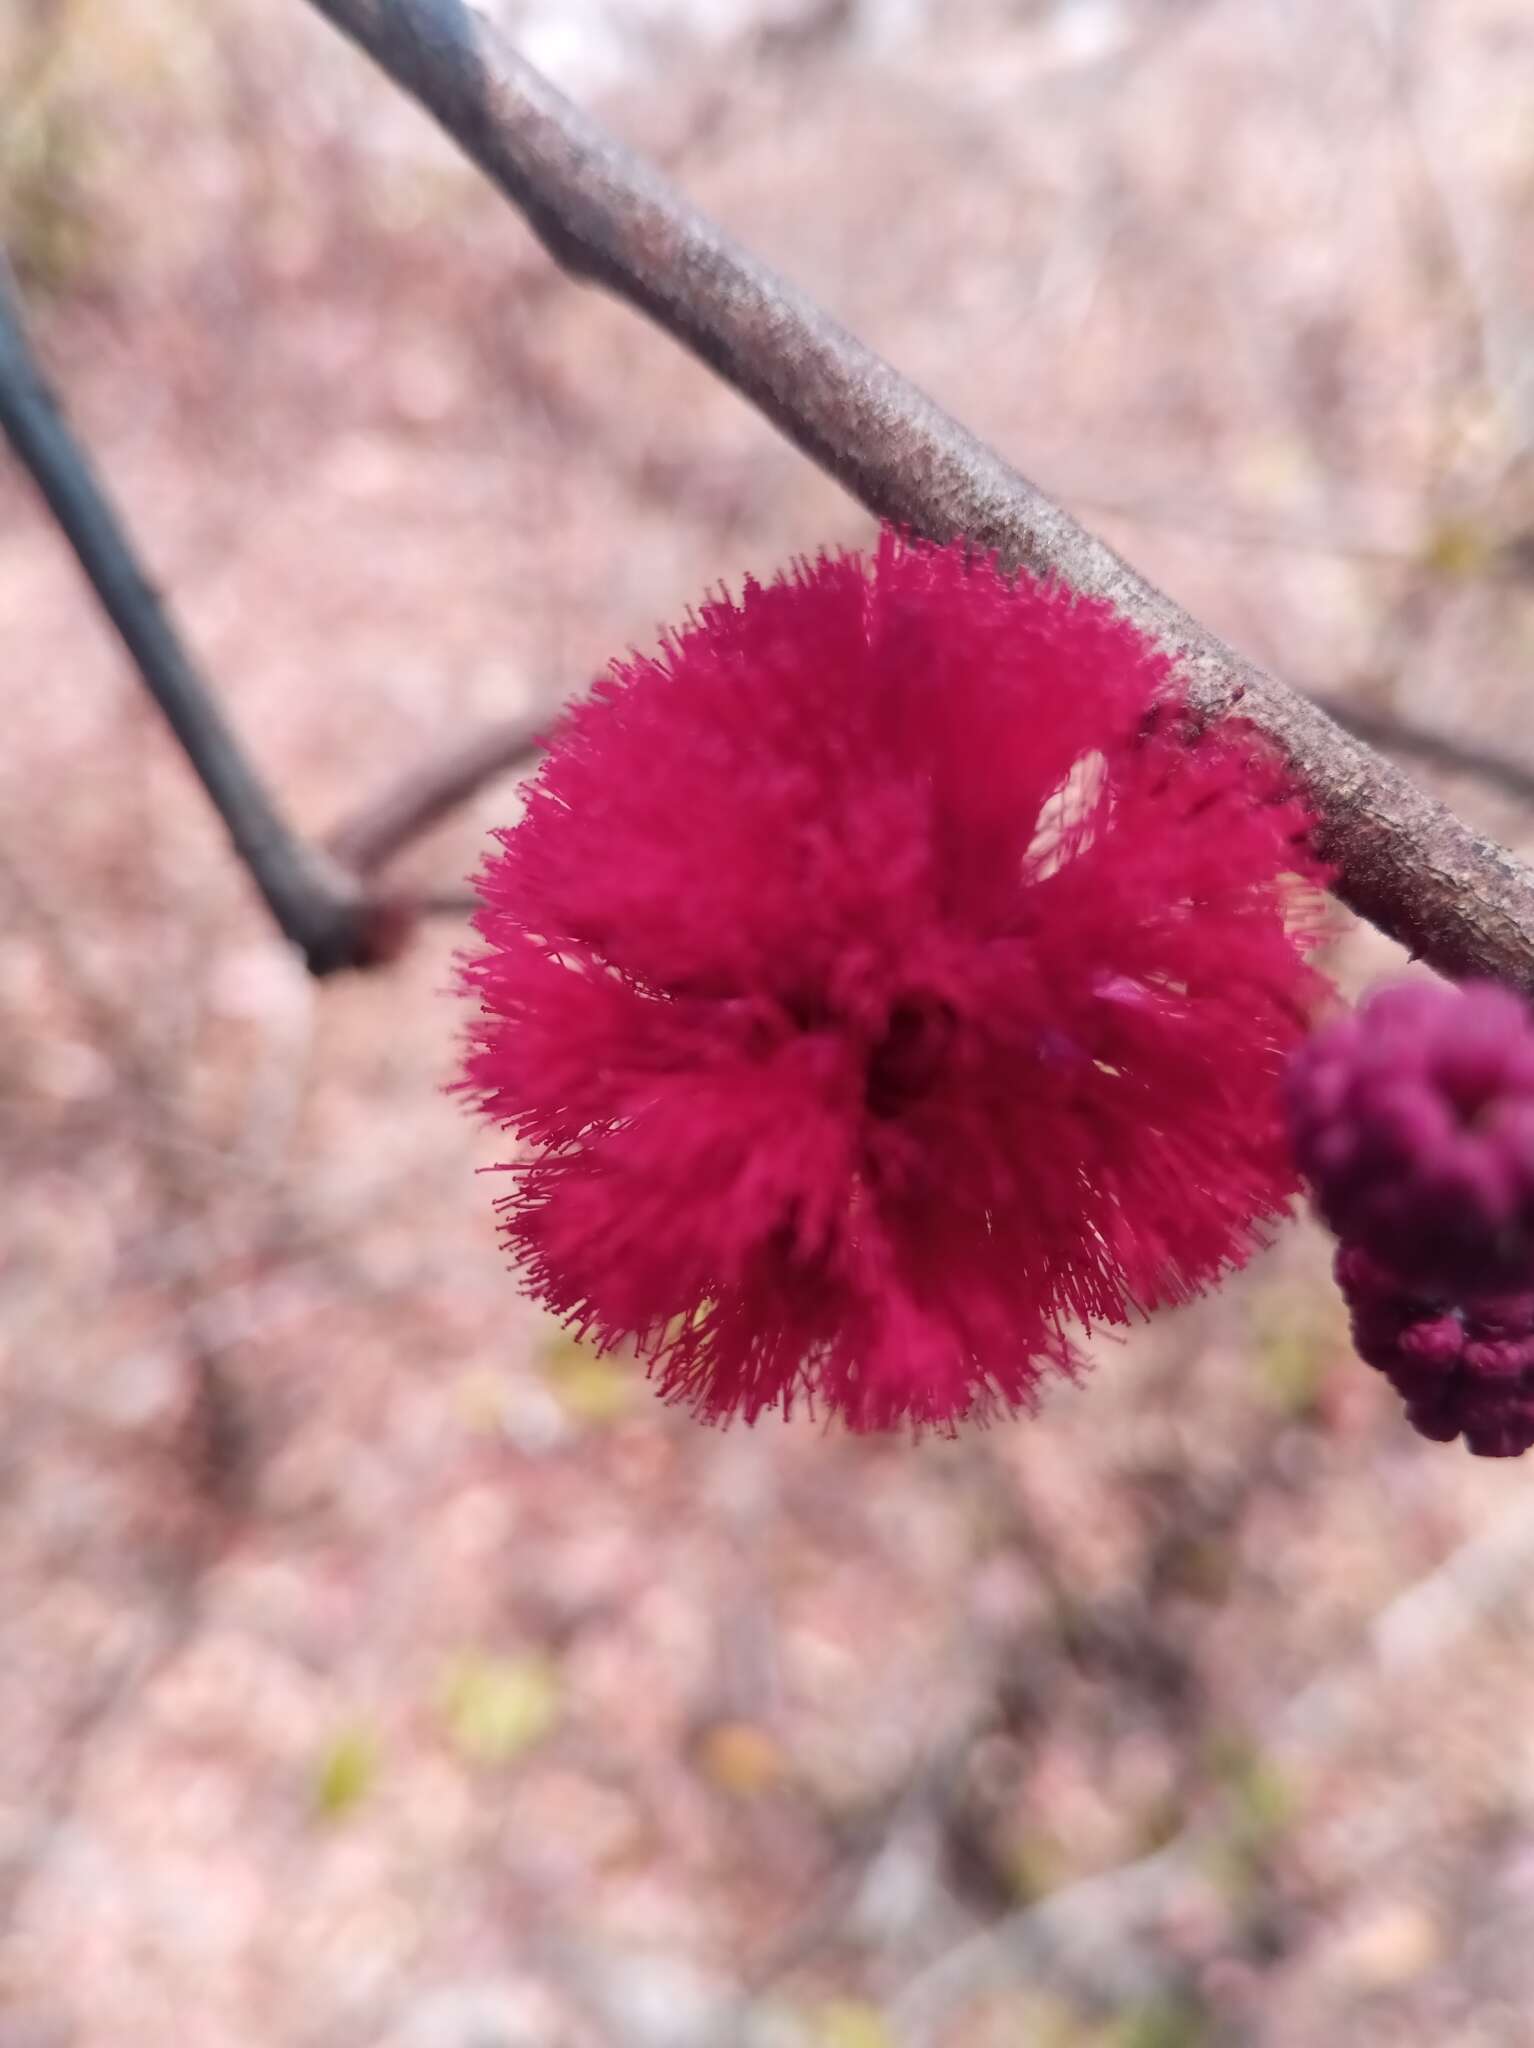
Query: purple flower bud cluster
x,y
1462,1371
1413,1121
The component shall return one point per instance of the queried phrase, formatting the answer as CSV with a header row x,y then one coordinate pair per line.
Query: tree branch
x,y
1403,860
317,905
314,896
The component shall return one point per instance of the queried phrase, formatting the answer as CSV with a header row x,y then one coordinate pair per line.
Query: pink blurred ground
x,y
377,1670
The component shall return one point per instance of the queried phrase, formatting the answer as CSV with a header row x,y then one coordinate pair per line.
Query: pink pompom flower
x,y
887,975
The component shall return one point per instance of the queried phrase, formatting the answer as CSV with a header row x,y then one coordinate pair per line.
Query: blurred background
x,y
377,1668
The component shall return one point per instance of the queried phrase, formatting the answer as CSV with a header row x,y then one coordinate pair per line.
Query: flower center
x,y
907,1060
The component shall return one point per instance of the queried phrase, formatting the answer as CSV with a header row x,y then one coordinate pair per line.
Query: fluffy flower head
x,y
884,976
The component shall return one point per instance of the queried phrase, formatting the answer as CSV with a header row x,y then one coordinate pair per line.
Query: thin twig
x,y
1397,735
429,793
316,905
53,1792
1402,859
1096,1935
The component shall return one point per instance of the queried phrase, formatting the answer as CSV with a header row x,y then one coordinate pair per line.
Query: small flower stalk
x,y
1413,1121
885,978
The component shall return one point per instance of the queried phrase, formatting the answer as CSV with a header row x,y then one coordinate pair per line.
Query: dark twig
x,y
430,793
447,903
1403,860
316,905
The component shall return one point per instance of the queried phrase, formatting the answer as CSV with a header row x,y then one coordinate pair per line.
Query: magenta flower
x,y
884,977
